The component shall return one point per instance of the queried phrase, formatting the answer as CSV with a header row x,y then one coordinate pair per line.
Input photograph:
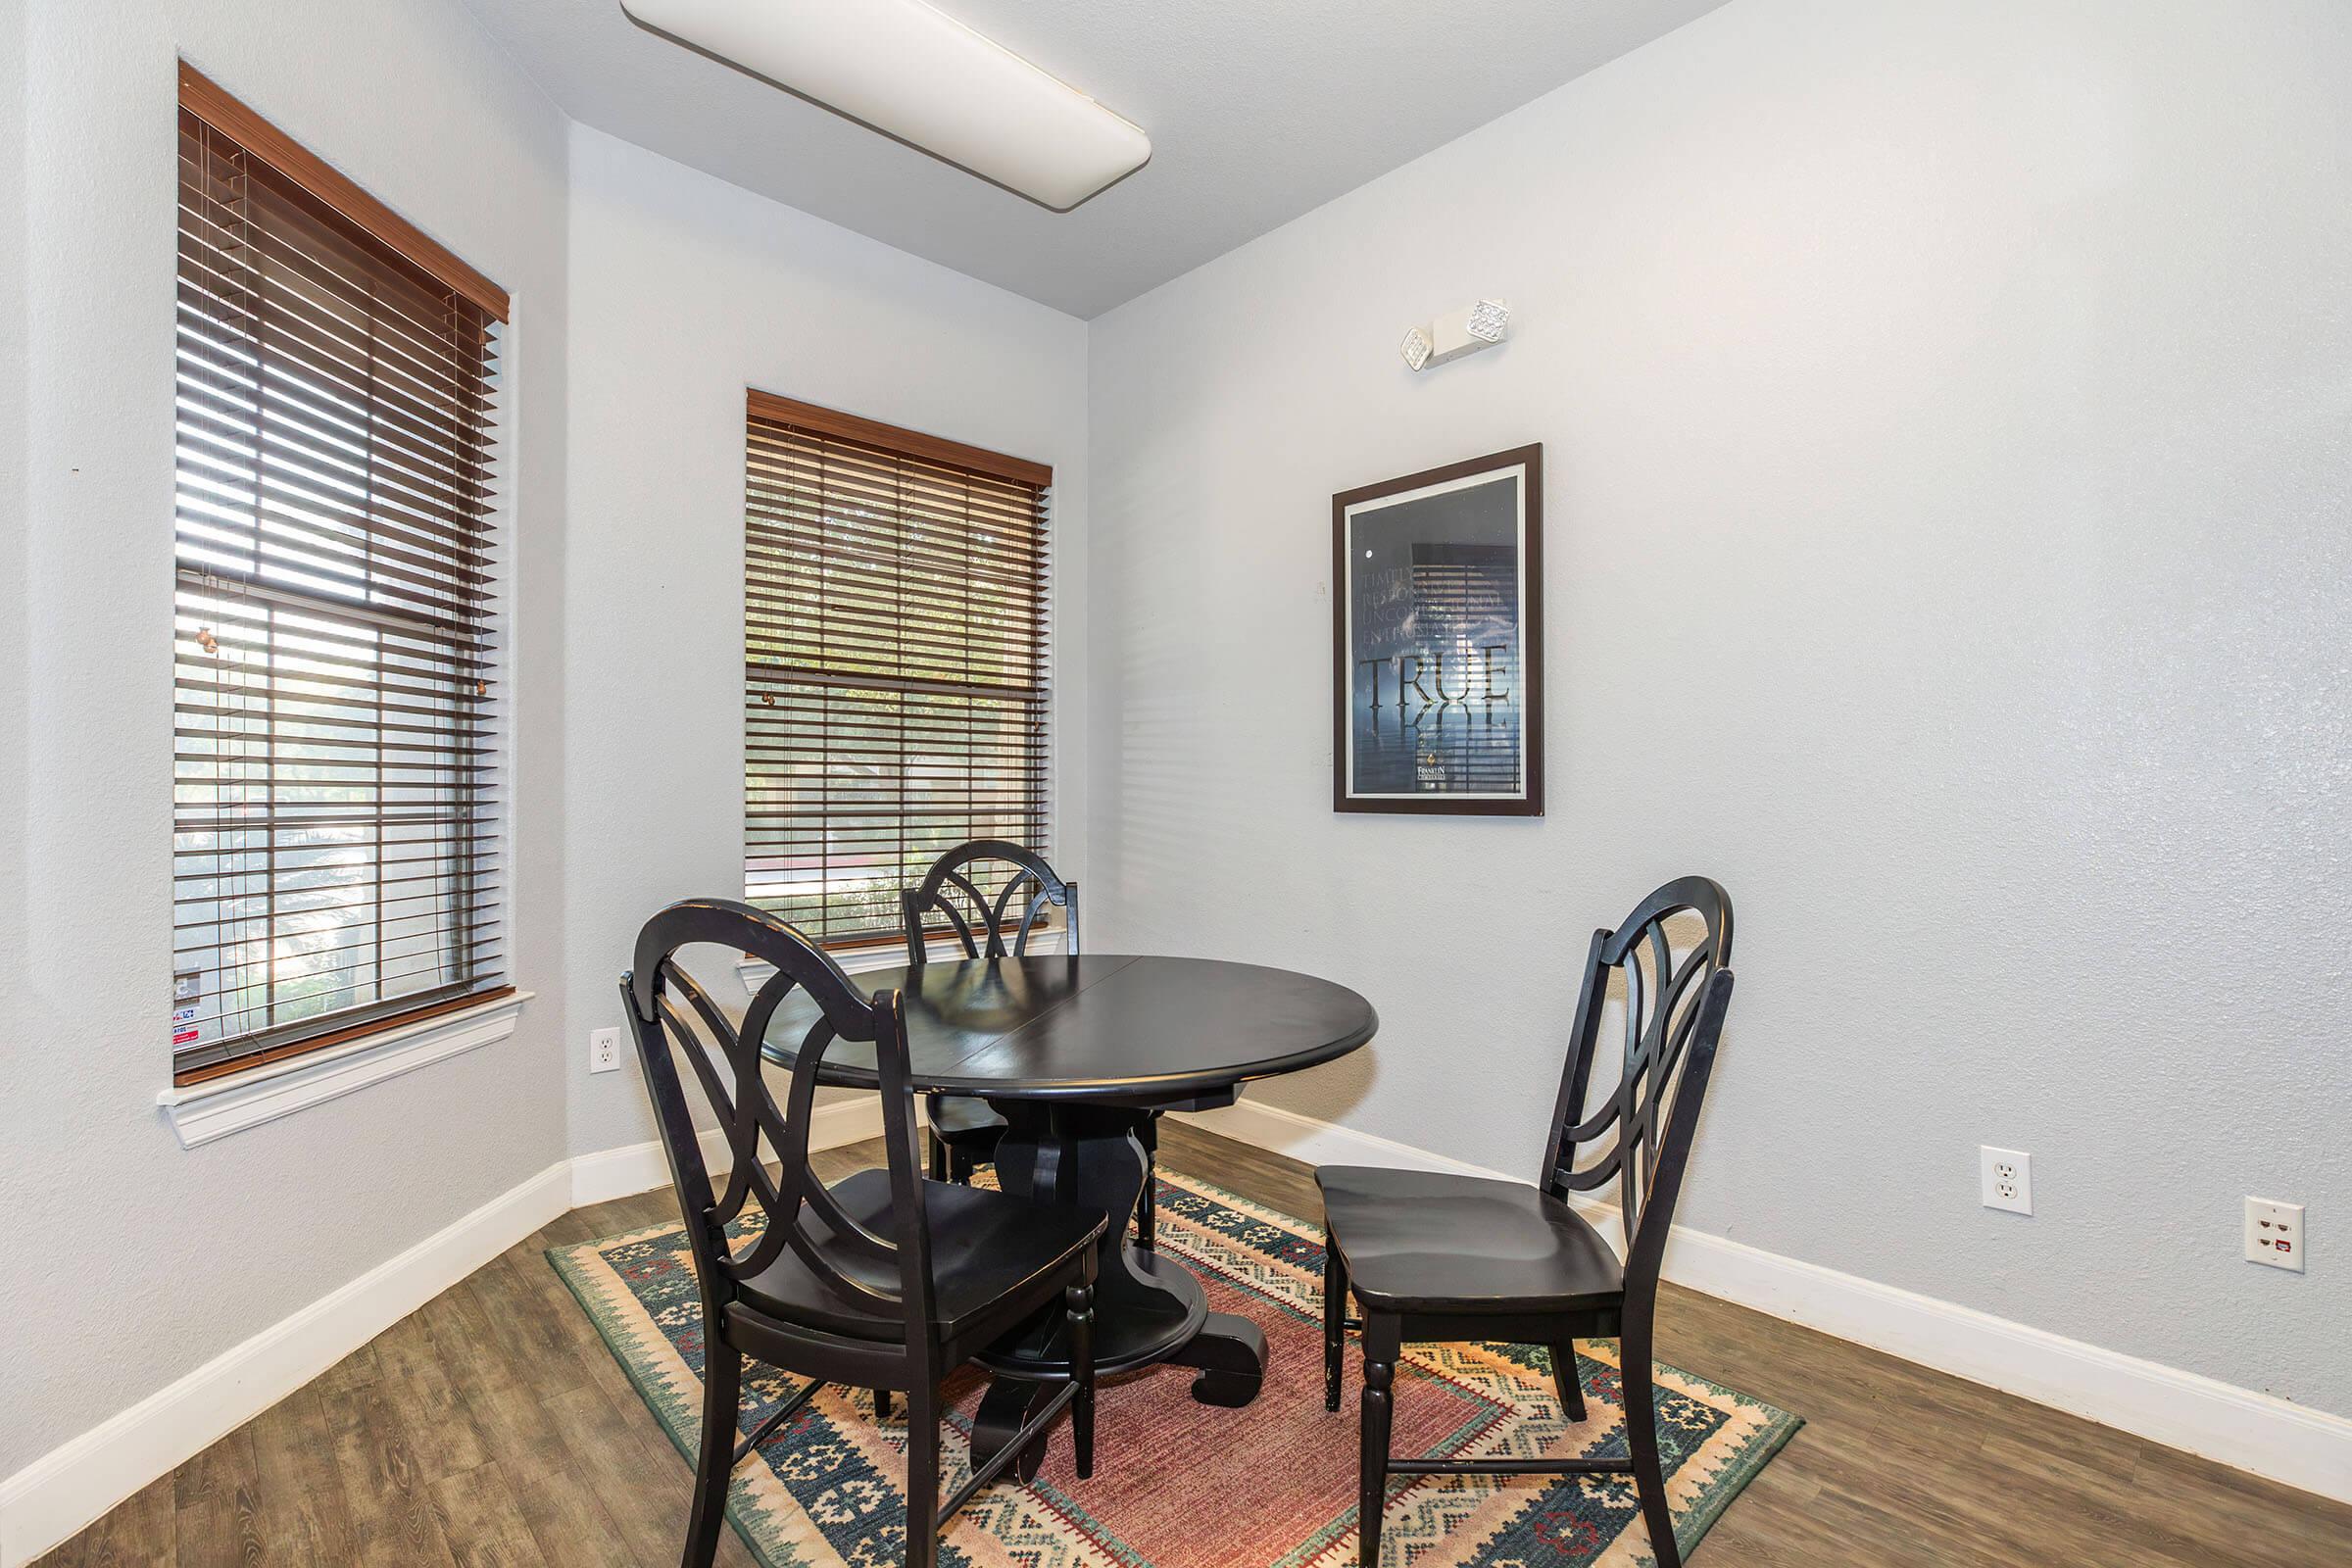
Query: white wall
x,y
1946,412
142,1259
1944,407
626,636
685,290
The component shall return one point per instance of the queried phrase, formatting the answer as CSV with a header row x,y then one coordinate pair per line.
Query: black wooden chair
x,y
964,1131
883,1281
1454,1258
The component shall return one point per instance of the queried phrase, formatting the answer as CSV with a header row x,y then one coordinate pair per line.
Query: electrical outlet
x,y
2008,1179
2275,1233
604,1050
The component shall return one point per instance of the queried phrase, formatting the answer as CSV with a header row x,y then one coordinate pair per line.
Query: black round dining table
x,y
1078,1053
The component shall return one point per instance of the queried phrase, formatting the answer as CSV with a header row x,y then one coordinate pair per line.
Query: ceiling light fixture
x,y
917,73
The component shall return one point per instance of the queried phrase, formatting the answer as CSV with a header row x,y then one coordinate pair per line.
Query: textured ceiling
x,y
1258,111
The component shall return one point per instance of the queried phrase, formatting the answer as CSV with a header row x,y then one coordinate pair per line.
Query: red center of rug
x,y
1186,1485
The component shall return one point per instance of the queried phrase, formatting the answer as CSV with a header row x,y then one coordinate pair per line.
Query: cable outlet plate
x,y
604,1050
2007,1178
2275,1234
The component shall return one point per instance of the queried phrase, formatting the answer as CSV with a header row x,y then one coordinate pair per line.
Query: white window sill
x,y
755,971
218,1107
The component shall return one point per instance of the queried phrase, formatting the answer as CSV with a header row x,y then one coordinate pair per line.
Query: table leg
x,y
1148,1308
1231,1353
1004,1411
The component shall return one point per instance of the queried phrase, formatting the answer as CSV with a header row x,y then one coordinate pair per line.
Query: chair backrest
x,y
957,883
1674,1005
796,1211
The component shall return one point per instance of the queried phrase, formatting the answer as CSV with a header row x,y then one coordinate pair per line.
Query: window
x,y
334,820
895,661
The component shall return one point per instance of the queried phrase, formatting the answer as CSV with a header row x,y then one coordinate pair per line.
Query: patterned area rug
x,y
1182,1485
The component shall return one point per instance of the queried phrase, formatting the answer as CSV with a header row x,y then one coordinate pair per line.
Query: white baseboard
x,y
640,1167
2271,1436
1315,1141
74,1484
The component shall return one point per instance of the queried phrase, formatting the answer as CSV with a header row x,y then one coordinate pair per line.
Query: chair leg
x,y
1564,1379
1381,1344
960,1166
922,1478
722,1387
1335,1320
881,1404
1641,1439
1080,1300
938,1158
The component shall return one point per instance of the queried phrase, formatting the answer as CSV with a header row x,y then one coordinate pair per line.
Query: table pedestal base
x,y
1231,1353
1148,1308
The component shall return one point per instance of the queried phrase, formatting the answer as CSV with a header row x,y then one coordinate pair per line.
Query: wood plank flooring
x,y
493,1427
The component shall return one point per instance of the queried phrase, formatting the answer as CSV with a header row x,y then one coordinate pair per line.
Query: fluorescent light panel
x,y
918,73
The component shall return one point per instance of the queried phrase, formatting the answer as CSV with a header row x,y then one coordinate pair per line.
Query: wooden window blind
x,y
895,663
335,810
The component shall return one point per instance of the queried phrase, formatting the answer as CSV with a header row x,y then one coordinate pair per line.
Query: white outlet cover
x,y
2275,1234
604,1050
2006,1179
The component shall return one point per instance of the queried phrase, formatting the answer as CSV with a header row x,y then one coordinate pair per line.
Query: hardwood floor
x,y
493,1427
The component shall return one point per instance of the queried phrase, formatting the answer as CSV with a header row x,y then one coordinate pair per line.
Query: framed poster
x,y
1438,640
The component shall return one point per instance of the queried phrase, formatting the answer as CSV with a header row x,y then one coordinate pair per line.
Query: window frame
x,y
941,452
349,1028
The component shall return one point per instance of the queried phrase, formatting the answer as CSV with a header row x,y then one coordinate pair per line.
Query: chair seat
x,y
962,1122
1416,1242
989,1250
